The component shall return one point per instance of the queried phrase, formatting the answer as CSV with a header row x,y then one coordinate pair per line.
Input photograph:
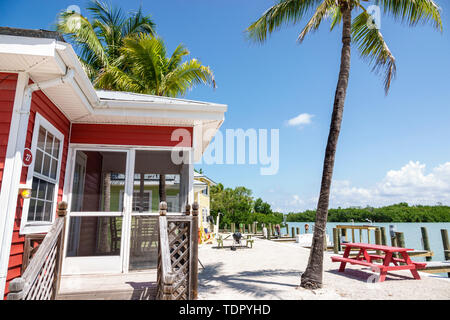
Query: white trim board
x,y
25,227
11,173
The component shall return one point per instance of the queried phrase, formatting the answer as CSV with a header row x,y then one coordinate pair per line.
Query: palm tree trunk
x,y
312,277
162,187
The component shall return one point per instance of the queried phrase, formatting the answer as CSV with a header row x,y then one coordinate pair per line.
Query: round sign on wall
x,y
27,157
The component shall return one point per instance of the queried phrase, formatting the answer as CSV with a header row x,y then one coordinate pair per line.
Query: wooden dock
x,y
283,239
437,267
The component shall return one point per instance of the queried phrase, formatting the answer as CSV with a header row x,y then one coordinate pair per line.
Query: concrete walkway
x,y
272,271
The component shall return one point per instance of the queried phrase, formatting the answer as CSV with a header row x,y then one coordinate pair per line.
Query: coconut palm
x,y
151,71
99,40
364,33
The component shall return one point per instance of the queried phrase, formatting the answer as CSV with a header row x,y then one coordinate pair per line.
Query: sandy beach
x,y
272,270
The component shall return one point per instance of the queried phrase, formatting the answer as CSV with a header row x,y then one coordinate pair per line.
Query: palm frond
x,y
82,34
372,47
321,12
105,13
414,11
114,78
138,23
186,76
146,55
88,68
284,12
336,16
176,57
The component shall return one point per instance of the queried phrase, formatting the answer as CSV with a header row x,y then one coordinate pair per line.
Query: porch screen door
x,y
155,176
95,233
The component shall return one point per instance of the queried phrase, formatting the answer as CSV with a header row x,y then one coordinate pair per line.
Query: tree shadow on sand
x,y
365,274
247,282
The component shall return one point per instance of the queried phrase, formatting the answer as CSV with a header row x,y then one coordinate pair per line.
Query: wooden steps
x,y
125,286
147,293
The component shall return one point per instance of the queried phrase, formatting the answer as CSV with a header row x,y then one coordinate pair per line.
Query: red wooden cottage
x,y
105,153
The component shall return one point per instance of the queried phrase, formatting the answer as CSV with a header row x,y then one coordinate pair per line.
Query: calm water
x,y
411,231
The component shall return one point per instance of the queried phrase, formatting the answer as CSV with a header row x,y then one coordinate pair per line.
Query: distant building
x,y
202,188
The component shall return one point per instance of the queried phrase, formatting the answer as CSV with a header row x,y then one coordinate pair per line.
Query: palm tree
x,y
364,33
98,41
150,71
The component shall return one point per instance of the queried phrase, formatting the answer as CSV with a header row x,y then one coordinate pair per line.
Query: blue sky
x,y
391,149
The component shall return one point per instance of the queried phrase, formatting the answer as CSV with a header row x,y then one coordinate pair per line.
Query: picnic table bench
x,y
248,240
365,259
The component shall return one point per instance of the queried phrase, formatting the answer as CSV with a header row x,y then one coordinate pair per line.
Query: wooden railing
x,y
40,280
178,254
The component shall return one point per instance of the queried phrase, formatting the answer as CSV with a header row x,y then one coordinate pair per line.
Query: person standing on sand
x,y
278,229
264,232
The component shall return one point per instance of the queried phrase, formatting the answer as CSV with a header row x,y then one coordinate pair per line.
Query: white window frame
x,y
44,226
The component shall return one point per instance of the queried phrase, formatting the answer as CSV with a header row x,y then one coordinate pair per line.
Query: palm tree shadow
x,y
365,273
248,282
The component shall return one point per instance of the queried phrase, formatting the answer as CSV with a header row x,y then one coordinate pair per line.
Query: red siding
x,y
8,83
128,135
41,104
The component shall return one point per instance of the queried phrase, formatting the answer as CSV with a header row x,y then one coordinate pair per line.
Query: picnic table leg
x,y
383,274
366,256
387,261
346,254
358,256
408,261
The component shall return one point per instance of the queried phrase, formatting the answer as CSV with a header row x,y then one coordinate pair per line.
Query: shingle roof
x,y
32,33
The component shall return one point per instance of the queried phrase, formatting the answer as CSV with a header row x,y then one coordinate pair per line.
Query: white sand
x,y
272,271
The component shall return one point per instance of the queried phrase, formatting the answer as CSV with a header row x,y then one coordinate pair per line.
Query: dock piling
x,y
344,233
394,244
446,245
425,241
378,239
400,237
383,236
293,232
336,243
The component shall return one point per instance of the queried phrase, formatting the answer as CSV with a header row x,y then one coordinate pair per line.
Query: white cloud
x,y
411,183
300,120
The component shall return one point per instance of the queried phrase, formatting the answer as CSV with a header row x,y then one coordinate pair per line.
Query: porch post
x,y
12,171
194,247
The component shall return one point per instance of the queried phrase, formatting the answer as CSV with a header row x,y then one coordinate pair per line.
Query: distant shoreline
x,y
401,212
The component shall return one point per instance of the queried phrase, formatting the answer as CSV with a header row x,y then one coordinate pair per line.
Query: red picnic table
x,y
365,259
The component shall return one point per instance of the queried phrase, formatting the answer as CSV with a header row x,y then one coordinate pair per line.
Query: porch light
x,y
25,192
